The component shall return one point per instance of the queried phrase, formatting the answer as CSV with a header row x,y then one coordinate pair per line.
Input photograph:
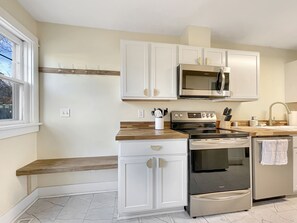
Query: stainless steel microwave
x,y
198,81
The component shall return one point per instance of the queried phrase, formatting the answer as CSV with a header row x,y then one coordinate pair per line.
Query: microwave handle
x,y
223,80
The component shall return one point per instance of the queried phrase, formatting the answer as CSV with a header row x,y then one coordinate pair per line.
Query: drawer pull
x,y
156,148
149,163
156,92
162,163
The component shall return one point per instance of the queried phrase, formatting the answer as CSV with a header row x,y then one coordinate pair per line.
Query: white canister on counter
x,y
254,121
293,118
159,123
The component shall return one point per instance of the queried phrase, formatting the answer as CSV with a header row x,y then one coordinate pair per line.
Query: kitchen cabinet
x,y
244,75
148,71
290,77
152,176
295,164
201,56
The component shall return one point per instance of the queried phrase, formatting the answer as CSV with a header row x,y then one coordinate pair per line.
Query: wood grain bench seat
x,y
45,166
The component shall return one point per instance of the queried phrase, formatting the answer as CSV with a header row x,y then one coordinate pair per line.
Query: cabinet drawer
x,y
152,147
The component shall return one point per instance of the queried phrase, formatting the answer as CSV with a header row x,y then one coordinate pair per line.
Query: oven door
x,y
203,81
217,165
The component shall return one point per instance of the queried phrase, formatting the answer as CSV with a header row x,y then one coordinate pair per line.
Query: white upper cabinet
x,y
148,71
201,56
163,71
290,80
190,55
244,75
214,57
134,70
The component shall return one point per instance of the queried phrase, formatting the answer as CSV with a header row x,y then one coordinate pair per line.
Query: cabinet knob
x,y
199,61
206,61
156,148
162,163
145,92
149,163
156,92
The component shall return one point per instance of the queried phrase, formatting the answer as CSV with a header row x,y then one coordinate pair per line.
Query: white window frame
x,y
30,120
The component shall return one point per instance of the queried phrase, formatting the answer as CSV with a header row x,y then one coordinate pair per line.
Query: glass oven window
x,y
216,170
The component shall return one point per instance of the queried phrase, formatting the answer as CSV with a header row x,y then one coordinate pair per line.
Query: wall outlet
x,y
140,113
64,112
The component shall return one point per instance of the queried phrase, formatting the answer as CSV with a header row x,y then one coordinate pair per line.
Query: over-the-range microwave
x,y
200,81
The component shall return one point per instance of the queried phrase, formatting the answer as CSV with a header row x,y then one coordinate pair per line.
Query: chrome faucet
x,y
270,110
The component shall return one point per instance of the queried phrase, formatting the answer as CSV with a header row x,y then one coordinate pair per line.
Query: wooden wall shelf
x,y
52,70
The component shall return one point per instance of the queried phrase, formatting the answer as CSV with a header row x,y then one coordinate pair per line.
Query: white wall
x,y
16,152
96,108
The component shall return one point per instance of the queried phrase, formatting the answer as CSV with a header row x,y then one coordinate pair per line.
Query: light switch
x,y
140,113
64,112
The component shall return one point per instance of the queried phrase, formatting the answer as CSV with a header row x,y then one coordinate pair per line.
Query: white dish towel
x,y
281,157
268,152
274,152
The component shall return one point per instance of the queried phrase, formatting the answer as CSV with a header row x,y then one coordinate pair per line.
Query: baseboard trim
x,y
56,191
19,208
77,189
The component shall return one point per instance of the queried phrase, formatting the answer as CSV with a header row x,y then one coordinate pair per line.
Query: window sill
x,y
17,130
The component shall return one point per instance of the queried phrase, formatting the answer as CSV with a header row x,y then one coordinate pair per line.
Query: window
x,y
18,78
11,77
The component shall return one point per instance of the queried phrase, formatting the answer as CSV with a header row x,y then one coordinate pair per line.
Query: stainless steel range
x,y
219,165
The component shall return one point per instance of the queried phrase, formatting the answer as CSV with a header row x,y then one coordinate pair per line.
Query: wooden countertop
x,y
258,131
140,134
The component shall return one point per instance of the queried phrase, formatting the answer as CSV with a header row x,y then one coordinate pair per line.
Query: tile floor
x,y
102,208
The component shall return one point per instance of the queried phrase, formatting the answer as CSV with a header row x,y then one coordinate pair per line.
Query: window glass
x,y
6,56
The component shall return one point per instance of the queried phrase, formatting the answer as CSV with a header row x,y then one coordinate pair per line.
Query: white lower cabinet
x,y
295,164
155,181
136,186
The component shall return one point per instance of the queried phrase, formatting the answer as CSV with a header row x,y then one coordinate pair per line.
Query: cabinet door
x,y
135,184
134,70
214,57
189,55
163,71
290,78
171,181
295,169
244,74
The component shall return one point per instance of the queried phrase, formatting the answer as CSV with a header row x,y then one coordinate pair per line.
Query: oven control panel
x,y
193,116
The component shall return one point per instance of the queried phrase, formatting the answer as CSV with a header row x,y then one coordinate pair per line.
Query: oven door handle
x,y
219,142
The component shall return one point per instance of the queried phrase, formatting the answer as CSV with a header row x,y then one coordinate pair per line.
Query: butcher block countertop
x,y
259,131
145,130
140,134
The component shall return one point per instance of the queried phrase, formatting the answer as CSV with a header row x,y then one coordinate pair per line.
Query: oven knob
x,y
212,115
207,115
203,115
176,115
180,115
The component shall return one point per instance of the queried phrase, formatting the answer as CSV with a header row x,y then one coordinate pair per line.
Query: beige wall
x,y
17,11
96,108
15,153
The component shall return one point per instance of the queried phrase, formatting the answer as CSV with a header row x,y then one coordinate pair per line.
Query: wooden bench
x,y
46,166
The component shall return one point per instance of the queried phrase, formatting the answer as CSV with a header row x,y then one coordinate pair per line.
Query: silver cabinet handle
x,y
149,163
156,148
162,163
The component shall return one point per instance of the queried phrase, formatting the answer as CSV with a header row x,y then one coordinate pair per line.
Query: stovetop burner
x,y
201,125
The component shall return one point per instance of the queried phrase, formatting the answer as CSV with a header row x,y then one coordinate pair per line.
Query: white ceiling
x,y
254,22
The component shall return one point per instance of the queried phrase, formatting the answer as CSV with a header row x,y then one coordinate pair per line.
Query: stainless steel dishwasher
x,y
271,180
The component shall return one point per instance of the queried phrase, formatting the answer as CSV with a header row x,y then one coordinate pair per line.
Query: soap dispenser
x,y
254,121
